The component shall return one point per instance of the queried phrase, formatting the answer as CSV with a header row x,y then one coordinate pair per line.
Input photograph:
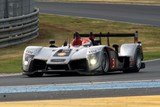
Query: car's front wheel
x,y
32,71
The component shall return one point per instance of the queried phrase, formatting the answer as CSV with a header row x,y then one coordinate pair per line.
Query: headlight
x,y
25,63
93,61
27,58
93,58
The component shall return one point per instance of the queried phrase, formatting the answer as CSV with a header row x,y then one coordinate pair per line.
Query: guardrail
x,y
19,29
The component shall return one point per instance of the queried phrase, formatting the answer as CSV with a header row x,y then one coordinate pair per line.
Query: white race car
x,y
87,59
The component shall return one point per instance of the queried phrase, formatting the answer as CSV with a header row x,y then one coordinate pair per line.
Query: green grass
x,y
11,66
152,55
62,27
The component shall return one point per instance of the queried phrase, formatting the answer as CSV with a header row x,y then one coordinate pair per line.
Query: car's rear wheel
x,y
138,62
105,63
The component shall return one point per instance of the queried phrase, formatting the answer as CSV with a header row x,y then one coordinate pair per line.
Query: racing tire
x,y
32,71
104,66
105,63
138,63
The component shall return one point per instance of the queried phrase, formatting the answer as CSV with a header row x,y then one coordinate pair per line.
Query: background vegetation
x,y
63,27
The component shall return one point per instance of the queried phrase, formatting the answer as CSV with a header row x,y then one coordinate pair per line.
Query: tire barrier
x,y
19,29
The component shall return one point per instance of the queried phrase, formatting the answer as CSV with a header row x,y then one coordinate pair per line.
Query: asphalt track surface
x,y
151,72
128,13
141,14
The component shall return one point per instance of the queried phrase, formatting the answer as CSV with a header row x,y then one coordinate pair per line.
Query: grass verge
x,y
62,27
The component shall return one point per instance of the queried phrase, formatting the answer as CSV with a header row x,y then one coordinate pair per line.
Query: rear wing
x,y
108,35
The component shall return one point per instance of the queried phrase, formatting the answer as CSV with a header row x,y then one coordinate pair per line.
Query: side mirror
x,y
65,43
51,42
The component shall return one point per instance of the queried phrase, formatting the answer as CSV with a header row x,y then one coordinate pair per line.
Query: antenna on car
x,y
108,42
68,42
136,37
100,38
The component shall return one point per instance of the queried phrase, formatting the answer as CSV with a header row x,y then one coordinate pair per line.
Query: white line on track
x,y
152,60
7,75
79,87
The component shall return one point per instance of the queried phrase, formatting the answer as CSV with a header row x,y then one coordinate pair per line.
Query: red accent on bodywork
x,y
112,60
112,63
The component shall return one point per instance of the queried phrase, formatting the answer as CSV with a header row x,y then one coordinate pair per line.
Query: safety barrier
x,y
19,29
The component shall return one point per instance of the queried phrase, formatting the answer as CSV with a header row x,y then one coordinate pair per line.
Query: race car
x,y
88,59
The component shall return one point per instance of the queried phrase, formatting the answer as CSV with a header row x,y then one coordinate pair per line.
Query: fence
x,y
19,29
